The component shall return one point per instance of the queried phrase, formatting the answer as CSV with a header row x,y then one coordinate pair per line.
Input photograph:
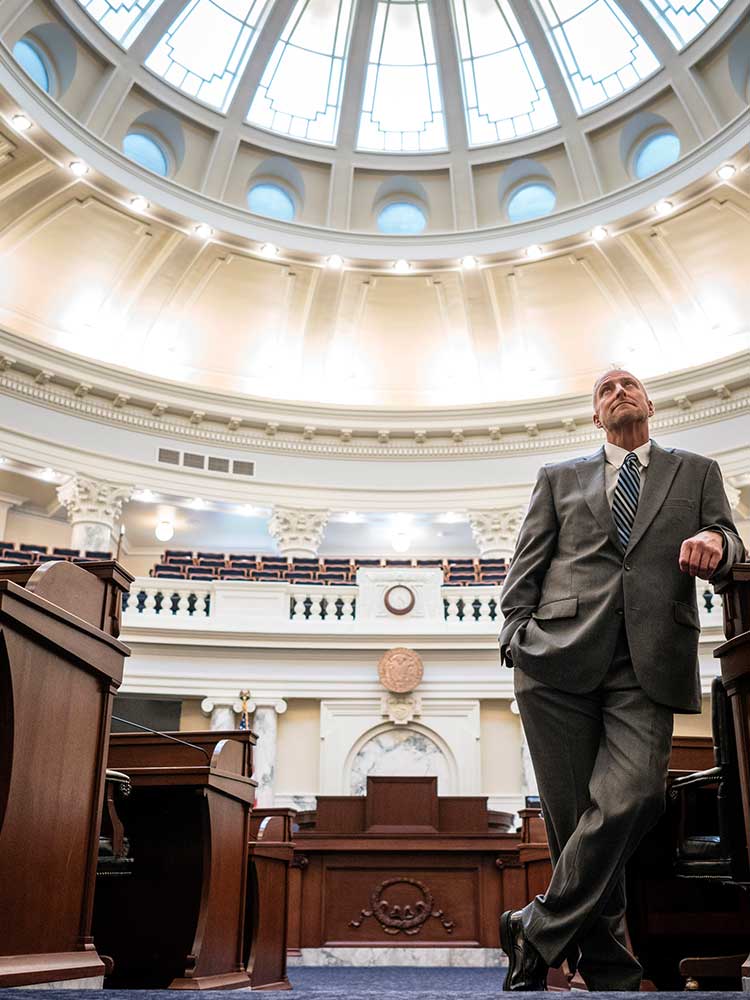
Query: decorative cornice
x,y
717,391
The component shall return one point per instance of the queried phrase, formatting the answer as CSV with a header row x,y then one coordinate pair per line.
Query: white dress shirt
x,y
615,456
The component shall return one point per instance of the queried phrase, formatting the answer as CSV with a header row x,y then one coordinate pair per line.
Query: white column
x,y
222,712
265,727
496,531
298,532
7,500
93,507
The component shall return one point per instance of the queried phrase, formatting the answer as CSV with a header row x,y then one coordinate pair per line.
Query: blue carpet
x,y
382,983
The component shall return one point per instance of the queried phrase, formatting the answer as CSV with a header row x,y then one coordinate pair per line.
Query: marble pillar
x,y
93,509
222,712
265,727
528,777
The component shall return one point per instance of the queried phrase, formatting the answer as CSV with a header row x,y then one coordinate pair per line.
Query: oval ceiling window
x,y
531,201
30,57
655,153
146,151
401,218
272,201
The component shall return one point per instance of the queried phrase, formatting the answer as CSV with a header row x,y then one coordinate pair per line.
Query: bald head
x,y
622,407
611,374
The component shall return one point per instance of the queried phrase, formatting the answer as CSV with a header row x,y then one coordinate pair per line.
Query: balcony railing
x,y
278,606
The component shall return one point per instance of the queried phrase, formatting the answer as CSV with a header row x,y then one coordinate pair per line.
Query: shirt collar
x,y
616,455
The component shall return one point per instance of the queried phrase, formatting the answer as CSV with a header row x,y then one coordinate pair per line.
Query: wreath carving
x,y
406,919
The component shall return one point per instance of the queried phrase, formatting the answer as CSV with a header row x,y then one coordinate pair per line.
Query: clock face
x,y
399,599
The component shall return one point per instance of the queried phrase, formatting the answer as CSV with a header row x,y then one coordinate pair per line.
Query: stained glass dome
x,y
289,61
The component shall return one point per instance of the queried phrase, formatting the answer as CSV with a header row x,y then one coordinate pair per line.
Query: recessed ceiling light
x,y
248,510
335,262
48,474
79,168
203,230
401,266
468,263
599,233
726,171
663,207
21,123
451,517
534,252
401,541
351,517
268,250
138,203
197,503
145,496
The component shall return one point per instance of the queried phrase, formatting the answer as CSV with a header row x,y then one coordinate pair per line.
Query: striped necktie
x,y
625,500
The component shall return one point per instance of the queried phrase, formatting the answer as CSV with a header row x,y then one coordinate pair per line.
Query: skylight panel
x,y
300,91
124,20
682,20
402,111
504,93
206,49
598,48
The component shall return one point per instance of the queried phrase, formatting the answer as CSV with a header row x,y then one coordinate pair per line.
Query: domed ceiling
x,y
377,203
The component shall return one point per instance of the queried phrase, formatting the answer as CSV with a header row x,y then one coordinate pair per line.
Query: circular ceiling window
x,y
31,58
272,201
654,153
401,218
147,151
530,201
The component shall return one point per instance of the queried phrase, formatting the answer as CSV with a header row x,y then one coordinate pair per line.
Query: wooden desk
x,y
178,921
59,670
271,850
402,867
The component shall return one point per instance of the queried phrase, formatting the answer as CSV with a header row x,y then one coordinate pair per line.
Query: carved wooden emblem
x,y
400,670
408,918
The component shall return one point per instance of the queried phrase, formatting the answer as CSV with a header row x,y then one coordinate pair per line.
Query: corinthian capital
x,y
93,500
298,532
496,531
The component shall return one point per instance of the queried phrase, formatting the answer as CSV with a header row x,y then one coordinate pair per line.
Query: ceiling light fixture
x,y
48,474
599,233
248,510
21,123
663,207
203,231
138,203
534,252
268,250
197,503
401,266
145,496
335,262
164,530
726,171
468,263
401,541
79,168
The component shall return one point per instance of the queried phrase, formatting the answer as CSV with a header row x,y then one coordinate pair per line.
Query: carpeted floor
x,y
351,984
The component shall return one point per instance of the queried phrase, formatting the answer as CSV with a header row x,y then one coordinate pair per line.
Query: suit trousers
x,y
600,760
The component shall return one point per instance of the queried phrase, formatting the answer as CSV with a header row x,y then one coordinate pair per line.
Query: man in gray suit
x,y
601,624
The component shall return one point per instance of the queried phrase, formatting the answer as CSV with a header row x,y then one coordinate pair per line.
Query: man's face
x,y
620,399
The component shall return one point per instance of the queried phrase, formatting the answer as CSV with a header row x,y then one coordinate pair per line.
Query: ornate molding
x,y
298,532
718,391
93,500
496,530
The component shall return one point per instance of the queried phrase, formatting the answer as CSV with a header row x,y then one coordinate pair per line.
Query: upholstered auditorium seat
x,y
63,553
41,549
97,554
170,573
266,574
333,576
212,563
171,554
232,574
199,573
217,557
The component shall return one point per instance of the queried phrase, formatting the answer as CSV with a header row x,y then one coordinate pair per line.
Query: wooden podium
x,y
60,665
178,921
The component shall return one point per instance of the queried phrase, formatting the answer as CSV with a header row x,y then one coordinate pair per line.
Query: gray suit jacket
x,y
571,583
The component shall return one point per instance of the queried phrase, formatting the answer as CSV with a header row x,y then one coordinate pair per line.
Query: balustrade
x,y
282,606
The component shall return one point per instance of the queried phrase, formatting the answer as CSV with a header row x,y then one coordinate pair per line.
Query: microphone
x,y
166,736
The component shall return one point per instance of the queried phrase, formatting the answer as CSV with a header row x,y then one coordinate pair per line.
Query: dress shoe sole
x,y
506,940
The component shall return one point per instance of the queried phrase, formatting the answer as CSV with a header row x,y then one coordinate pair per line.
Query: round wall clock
x,y
399,599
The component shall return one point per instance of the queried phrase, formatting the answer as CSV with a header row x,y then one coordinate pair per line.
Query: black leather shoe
x,y
527,970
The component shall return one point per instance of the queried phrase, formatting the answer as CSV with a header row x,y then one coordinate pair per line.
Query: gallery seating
x,y
182,564
32,554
